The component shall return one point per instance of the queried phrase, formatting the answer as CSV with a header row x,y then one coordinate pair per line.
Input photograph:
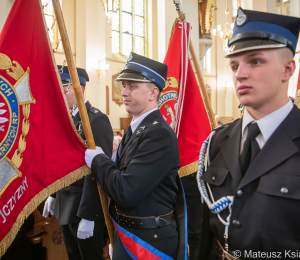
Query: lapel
x,y
277,149
146,122
230,149
76,118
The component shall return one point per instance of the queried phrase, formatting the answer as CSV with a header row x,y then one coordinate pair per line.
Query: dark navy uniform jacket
x,y
81,199
143,181
266,207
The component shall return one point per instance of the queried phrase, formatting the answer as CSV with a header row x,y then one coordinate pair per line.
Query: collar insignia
x,y
155,122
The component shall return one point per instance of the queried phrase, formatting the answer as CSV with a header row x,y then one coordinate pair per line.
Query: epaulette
x,y
94,110
222,126
228,125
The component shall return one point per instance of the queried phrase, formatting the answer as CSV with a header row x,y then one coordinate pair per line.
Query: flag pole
x,y
194,59
80,103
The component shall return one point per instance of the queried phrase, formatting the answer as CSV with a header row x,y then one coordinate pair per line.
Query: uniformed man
x,y
253,176
78,207
143,184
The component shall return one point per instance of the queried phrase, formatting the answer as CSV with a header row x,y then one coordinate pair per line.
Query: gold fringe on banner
x,y
188,169
38,199
173,28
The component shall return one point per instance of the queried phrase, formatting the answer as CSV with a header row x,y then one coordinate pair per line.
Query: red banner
x,y
181,103
40,151
297,96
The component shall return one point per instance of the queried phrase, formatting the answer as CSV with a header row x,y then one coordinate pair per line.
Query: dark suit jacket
x,y
268,216
81,199
143,180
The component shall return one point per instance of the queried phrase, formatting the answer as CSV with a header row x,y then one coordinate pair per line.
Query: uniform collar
x,y
135,123
269,123
77,109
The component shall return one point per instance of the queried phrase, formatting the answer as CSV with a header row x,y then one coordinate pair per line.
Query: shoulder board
x,y
221,127
228,125
94,110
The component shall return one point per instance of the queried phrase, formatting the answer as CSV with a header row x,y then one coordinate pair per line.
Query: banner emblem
x,y
9,117
167,102
11,97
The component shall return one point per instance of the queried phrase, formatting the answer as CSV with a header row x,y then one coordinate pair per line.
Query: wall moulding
x,y
117,90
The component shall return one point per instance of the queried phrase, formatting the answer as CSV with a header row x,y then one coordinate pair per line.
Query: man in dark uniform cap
x,y
253,174
143,184
78,207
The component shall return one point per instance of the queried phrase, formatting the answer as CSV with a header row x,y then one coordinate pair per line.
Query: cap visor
x,y
249,45
132,77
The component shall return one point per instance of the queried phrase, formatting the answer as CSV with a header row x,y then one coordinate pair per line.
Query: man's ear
x,y
289,68
82,89
154,93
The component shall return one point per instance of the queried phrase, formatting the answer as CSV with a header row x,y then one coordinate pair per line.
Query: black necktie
x,y
124,140
251,147
128,135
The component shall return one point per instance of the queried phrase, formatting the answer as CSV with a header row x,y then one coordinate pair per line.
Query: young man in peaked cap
x,y
143,182
254,161
78,207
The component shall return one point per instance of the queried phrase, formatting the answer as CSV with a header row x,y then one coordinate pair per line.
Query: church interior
x,y
102,34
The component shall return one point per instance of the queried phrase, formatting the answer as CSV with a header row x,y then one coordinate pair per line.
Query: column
x,y
5,6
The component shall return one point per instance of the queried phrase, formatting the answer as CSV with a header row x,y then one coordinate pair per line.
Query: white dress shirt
x,y
135,123
267,124
77,109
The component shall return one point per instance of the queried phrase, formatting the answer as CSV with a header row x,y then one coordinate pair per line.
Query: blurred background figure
x,y
241,108
218,122
116,142
231,120
118,133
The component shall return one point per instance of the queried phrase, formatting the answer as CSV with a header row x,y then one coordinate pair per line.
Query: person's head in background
x,y
116,142
67,84
118,133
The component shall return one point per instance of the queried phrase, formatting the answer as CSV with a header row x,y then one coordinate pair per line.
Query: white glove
x,y
90,154
85,229
49,206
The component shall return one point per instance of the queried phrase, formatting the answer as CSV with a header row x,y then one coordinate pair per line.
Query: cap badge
x,y
130,57
232,48
241,18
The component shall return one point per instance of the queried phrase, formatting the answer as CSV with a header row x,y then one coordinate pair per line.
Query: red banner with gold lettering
x,y
40,151
181,103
